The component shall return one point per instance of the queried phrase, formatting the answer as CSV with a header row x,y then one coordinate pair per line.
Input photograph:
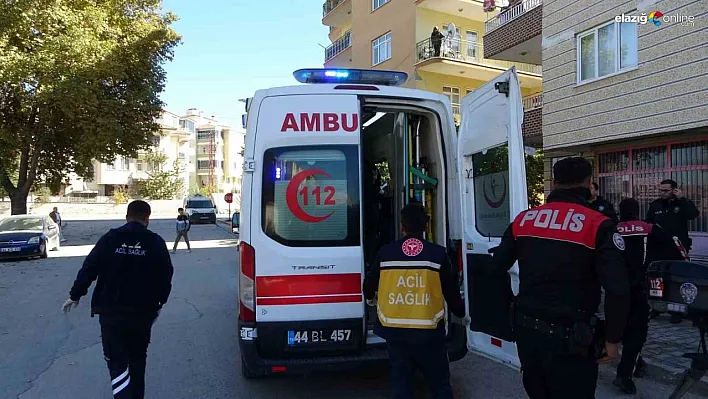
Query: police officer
x,y
598,203
673,212
134,273
644,244
414,278
566,251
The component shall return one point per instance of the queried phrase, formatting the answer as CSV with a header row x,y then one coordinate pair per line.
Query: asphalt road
x,y
194,351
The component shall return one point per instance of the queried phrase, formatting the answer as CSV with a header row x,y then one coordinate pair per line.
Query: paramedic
x,y
600,204
134,272
565,252
644,243
414,278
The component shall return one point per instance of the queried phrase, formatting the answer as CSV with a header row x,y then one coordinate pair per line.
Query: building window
x,y
111,166
155,141
139,165
453,93
124,163
637,172
381,49
606,50
187,125
377,3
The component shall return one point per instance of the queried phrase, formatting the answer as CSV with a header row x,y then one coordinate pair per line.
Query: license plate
x,y
318,337
676,307
15,249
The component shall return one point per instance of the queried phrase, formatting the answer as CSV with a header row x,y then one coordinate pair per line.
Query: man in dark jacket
x,y
645,243
598,203
673,212
436,39
566,251
134,273
414,279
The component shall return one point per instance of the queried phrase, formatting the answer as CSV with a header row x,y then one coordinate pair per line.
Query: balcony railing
x,y
533,101
470,52
330,5
338,46
511,14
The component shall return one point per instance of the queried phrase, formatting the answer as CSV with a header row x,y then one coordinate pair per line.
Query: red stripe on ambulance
x,y
316,122
309,288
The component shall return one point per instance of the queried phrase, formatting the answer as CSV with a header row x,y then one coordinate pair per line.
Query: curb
x,y
672,376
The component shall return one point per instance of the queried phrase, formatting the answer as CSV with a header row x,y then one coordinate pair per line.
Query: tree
x,y
79,81
162,184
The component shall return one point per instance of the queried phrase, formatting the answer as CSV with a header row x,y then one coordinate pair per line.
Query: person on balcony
x,y
436,39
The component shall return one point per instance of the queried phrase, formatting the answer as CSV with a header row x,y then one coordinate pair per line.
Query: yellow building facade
x,y
396,35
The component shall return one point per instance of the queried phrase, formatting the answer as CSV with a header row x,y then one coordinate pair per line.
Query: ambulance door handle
x,y
492,250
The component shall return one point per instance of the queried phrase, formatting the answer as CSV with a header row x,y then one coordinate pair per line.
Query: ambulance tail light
x,y
247,278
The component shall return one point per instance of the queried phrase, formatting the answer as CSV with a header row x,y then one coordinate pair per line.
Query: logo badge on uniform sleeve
x,y
677,209
601,208
619,241
689,292
412,247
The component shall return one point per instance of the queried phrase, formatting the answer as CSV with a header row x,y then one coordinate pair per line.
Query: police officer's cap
x,y
573,170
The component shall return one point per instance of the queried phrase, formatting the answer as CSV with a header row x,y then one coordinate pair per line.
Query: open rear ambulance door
x,y
492,169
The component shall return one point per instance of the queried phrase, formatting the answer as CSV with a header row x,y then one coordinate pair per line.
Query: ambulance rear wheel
x,y
246,372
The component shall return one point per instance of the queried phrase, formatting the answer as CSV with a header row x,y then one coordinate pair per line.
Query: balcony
x,y
533,118
339,46
515,33
336,13
461,57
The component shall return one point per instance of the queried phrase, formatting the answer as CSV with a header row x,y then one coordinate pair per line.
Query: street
x,y
194,351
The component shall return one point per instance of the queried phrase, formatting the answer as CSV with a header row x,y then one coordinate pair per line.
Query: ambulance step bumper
x,y
260,366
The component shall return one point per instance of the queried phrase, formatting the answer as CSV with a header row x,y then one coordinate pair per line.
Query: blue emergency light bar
x,y
351,76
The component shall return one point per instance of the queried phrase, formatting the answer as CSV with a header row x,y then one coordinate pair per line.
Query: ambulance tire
x,y
246,372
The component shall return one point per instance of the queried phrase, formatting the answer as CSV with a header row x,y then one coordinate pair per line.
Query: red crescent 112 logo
x,y
291,196
412,247
493,185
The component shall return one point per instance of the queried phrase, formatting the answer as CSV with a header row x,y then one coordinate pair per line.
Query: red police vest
x,y
561,221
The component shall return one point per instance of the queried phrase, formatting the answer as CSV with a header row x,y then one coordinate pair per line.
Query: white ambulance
x,y
313,213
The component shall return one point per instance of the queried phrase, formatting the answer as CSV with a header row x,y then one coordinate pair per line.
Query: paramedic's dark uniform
x,y
604,207
134,273
644,243
414,279
673,216
565,252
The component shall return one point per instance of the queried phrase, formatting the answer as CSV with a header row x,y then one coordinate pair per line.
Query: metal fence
x,y
468,51
338,45
533,101
511,14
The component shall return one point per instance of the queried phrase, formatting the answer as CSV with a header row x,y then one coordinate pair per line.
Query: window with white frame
x,y
123,163
606,50
453,93
378,3
381,47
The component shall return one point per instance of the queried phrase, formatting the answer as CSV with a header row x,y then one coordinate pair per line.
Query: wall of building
x,y
426,19
665,93
396,16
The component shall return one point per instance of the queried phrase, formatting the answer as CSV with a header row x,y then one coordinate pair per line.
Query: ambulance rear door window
x,y
311,196
491,188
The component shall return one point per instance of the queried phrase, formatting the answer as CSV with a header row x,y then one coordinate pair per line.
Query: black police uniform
x,y
644,244
565,252
673,215
414,279
604,207
134,272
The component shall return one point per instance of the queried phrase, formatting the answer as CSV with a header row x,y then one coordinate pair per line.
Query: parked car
x,y
27,236
200,209
235,222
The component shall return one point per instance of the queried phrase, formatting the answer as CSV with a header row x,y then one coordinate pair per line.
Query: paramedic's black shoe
x,y
640,369
625,385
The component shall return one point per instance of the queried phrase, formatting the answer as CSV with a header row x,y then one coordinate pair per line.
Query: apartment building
x,y
396,34
624,86
202,147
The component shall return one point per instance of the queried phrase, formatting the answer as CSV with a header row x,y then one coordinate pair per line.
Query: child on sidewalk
x,y
183,226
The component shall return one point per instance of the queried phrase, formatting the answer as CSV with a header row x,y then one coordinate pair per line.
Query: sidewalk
x,y
667,343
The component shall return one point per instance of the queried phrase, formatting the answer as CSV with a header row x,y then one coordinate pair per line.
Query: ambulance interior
x,y
402,163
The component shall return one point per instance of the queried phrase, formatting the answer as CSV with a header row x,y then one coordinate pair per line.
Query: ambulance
x,y
328,166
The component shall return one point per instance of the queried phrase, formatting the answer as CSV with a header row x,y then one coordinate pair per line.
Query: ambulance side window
x,y
491,188
311,196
